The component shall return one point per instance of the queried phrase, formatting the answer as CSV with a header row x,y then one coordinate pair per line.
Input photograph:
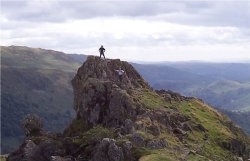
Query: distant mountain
x,y
80,58
224,94
171,78
229,71
34,81
225,86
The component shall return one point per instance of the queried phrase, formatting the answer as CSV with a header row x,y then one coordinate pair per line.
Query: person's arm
x,y
104,50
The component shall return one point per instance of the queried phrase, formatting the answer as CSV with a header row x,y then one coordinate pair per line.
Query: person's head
x,y
101,46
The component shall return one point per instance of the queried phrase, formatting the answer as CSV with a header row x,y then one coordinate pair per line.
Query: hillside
x,y
224,86
238,72
38,81
126,119
175,79
34,81
230,88
224,94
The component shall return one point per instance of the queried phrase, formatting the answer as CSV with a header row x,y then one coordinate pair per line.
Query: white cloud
x,y
143,31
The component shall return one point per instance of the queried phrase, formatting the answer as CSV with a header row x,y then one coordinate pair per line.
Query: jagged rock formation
x,y
126,120
100,97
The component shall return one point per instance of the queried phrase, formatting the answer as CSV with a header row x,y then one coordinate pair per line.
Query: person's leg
x,y
100,55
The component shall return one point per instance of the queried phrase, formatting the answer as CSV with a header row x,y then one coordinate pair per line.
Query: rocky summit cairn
x,y
126,120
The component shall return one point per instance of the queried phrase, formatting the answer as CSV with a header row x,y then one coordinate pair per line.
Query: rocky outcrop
x,y
172,96
107,150
30,151
236,146
100,97
122,119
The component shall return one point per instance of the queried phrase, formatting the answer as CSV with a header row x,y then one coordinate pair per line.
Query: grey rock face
x,y
100,97
238,147
29,151
179,131
59,158
156,144
138,140
154,130
107,150
127,147
186,127
128,127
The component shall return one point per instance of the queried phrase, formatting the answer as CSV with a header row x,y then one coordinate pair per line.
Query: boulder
x,y
138,140
179,131
154,129
59,158
107,150
156,144
128,127
127,150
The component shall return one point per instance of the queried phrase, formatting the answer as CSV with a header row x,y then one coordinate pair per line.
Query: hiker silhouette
x,y
102,50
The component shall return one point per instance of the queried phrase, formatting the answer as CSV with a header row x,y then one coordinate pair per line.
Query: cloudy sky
x,y
141,30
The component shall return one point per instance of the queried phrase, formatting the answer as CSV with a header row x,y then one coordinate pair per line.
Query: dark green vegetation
x,y
34,81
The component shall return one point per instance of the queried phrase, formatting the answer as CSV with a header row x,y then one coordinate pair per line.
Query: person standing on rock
x,y
102,50
120,73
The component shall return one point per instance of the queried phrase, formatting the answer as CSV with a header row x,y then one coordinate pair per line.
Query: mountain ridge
x,y
19,80
126,119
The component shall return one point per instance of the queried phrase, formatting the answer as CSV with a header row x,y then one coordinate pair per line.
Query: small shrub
x,y
76,128
97,134
32,125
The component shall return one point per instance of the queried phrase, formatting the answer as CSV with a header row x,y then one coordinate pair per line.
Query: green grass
x,y
217,132
197,158
155,157
150,99
209,118
24,57
140,152
3,158
93,135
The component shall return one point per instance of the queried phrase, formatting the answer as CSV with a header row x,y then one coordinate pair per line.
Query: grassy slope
x,y
224,86
34,81
200,113
24,57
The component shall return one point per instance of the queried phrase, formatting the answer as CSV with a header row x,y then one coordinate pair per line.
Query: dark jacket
x,y
102,50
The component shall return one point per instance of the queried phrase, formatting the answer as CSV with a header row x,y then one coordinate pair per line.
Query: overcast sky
x,y
141,30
